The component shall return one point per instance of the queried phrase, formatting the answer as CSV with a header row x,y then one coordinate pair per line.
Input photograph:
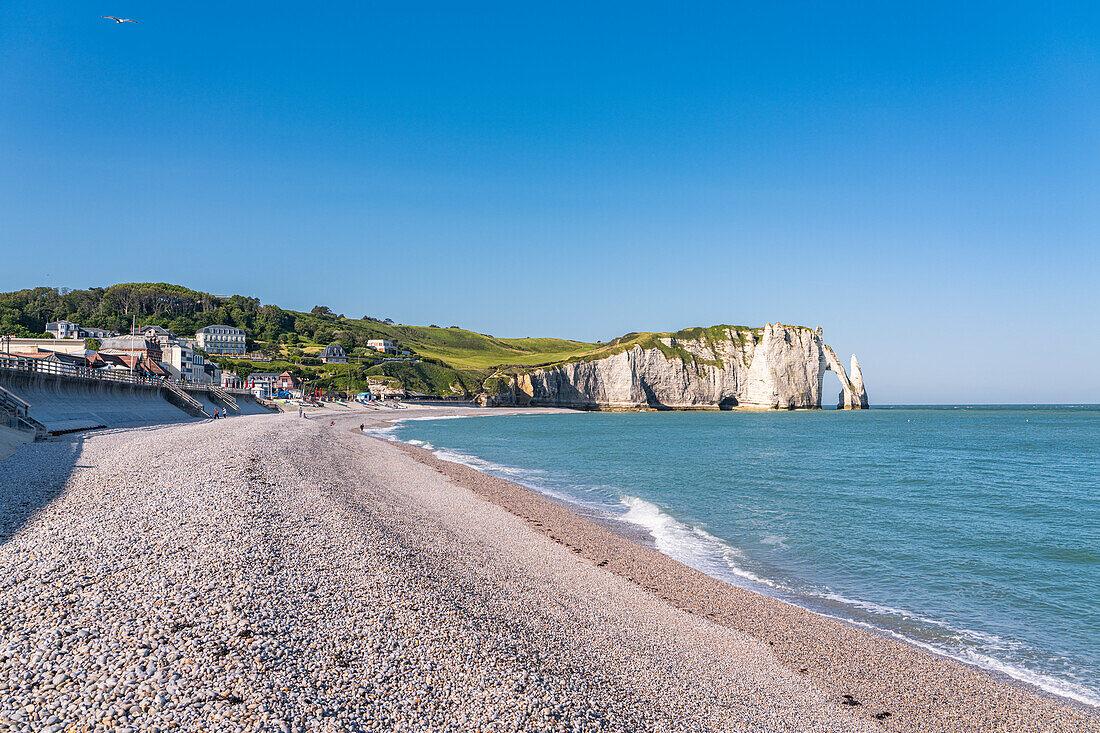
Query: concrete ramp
x,y
249,406
63,404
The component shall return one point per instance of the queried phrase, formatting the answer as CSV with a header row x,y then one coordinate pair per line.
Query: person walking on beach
x,y
299,410
361,428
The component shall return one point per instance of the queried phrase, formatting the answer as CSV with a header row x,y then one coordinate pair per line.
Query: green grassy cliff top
x,y
450,356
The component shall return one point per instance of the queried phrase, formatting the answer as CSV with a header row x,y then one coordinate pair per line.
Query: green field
x,y
444,361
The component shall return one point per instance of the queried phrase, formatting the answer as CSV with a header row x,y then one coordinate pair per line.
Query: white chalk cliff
x,y
777,367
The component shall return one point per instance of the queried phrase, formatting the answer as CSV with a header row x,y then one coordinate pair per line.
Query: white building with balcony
x,y
384,345
221,340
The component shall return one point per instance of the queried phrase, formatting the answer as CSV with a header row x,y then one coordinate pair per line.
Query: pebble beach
x,y
285,574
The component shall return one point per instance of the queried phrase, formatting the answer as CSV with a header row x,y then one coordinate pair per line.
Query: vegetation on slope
x,y
446,361
427,378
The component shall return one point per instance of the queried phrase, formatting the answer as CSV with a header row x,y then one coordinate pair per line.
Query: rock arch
x,y
853,395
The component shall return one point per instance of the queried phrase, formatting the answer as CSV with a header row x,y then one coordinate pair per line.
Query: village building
x,y
96,333
58,361
230,380
262,383
69,330
148,348
63,329
157,333
384,345
221,340
334,354
265,384
136,363
13,345
184,363
287,382
212,373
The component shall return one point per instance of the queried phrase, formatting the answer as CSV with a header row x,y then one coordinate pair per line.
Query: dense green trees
x,y
184,311
450,361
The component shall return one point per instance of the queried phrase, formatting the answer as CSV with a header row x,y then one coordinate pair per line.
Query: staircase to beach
x,y
225,397
190,404
15,412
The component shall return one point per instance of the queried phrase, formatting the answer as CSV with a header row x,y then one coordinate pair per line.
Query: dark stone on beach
x,y
883,715
849,700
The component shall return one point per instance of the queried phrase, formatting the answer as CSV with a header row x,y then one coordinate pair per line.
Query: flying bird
x,y
119,20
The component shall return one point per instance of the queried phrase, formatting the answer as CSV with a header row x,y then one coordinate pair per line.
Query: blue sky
x,y
920,180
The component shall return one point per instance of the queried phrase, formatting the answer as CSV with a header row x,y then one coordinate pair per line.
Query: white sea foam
x,y
1055,685
528,478
690,545
969,637
385,433
439,417
707,553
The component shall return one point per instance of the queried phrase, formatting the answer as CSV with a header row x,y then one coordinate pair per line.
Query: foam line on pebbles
x,y
272,573
900,685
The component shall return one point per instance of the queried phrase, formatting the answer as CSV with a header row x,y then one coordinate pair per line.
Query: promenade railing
x,y
28,365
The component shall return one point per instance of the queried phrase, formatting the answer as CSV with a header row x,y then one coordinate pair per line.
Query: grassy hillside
x,y
712,335
184,311
470,350
445,361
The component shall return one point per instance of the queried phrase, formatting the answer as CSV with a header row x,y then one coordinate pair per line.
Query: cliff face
x,y
777,367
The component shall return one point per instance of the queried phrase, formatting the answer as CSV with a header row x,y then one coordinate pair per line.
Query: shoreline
x,y
803,640
278,573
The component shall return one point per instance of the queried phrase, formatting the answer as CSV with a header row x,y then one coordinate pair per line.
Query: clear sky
x,y
920,179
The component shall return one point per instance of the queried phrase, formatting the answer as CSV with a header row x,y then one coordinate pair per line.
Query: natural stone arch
x,y
853,395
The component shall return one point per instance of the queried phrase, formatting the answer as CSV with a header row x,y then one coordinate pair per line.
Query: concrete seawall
x,y
249,406
67,403
62,403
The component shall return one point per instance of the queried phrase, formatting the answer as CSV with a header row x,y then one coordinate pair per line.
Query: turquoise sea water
x,y
972,531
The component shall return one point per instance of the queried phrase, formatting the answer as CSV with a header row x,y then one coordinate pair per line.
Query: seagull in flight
x,y
119,20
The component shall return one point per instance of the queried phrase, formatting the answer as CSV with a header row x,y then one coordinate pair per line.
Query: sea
x,y
970,531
